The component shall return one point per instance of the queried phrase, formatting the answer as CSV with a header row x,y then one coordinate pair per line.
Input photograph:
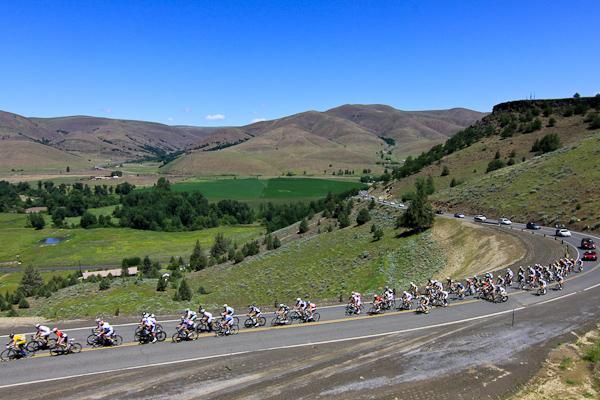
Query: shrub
x,y
363,216
23,303
31,281
198,259
343,220
551,122
88,220
3,304
549,142
12,312
419,215
494,165
595,122
184,293
377,233
303,228
104,284
239,257
162,284
36,220
445,171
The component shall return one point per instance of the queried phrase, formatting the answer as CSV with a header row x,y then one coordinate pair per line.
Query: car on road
x,y
459,215
480,218
587,244
563,232
590,255
504,221
533,225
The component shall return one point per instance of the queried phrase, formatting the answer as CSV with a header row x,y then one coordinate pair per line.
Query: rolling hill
x,y
561,186
348,136
352,137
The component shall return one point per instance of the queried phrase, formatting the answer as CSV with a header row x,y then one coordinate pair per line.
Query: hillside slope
x,y
351,137
560,186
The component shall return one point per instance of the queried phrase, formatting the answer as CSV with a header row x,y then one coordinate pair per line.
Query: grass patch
x,y
103,246
256,191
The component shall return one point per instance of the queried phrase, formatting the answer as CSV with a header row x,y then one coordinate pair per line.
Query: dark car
x,y
533,225
587,244
590,255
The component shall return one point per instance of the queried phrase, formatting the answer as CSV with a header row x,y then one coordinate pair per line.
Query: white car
x,y
563,233
504,221
459,215
480,218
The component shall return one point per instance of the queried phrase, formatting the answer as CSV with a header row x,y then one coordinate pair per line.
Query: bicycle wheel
x,y
275,321
75,348
236,320
233,330
192,335
262,321
161,336
33,346
117,340
7,355
55,351
176,338
248,323
91,340
316,316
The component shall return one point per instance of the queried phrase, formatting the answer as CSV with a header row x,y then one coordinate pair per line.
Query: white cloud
x,y
258,120
170,119
215,117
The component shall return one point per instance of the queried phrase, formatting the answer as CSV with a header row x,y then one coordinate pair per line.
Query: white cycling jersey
x,y
44,331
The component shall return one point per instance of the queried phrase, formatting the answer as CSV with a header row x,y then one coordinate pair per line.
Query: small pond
x,y
51,240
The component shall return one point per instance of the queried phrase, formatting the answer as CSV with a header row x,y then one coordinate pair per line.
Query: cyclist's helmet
x,y
281,305
54,330
12,335
37,326
224,305
298,300
151,315
202,310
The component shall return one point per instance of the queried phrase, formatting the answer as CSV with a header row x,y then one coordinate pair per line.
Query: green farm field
x,y
256,191
102,246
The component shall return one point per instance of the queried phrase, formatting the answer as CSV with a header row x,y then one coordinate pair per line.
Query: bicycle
x,y
13,354
251,322
37,344
71,348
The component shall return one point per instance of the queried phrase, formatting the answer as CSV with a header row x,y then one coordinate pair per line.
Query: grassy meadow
x,y
102,246
255,191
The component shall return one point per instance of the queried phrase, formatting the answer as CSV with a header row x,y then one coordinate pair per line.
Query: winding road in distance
x,y
471,349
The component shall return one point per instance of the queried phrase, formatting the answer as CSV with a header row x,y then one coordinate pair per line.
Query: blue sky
x,y
231,62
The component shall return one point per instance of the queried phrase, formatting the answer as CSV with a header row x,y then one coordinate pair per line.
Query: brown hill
x,y
347,137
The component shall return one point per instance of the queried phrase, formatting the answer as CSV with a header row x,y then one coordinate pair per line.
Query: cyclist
x,y
227,310
227,323
377,303
543,285
300,306
106,332
18,343
185,326
406,299
459,288
501,291
282,313
254,313
424,303
443,296
206,318
388,296
311,307
150,326
189,314
62,339
414,289
560,280
42,333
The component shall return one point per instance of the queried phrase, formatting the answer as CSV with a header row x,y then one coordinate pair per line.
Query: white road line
x,y
591,287
556,298
262,350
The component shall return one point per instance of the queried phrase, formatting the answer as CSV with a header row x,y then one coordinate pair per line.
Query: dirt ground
x,y
566,374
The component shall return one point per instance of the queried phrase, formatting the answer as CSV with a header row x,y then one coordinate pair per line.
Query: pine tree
x,y
31,281
276,242
146,266
303,228
419,215
198,259
184,293
104,284
363,216
23,303
162,284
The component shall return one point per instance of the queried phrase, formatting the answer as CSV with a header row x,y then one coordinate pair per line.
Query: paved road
x,y
334,329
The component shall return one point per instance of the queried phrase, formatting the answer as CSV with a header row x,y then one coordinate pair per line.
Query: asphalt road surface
x,y
471,349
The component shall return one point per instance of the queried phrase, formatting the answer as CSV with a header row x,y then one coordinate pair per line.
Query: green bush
x,y
494,165
23,303
104,284
549,142
363,216
303,228
184,293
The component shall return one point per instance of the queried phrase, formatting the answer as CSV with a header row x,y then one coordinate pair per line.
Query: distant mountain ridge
x,y
356,128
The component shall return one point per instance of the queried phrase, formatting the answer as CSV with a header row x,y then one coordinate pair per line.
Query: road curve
x,y
334,329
